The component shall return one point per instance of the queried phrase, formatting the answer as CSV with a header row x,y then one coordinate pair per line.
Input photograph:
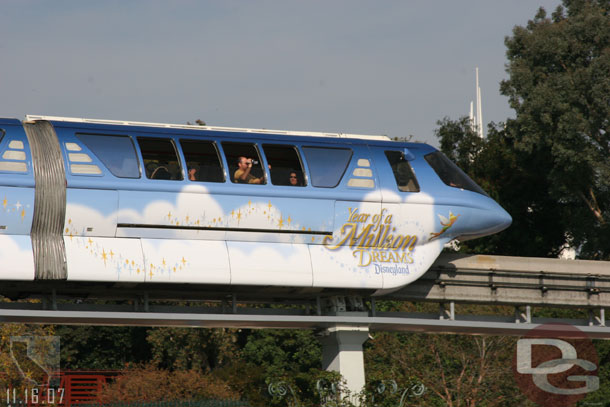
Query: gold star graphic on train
x,y
169,215
183,261
269,205
4,203
238,216
138,270
69,220
163,262
104,256
22,214
232,213
250,203
111,254
90,241
127,262
187,218
289,220
174,269
280,223
133,263
67,230
150,274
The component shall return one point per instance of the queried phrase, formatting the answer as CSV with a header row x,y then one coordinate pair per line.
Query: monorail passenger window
x,y
117,153
450,173
284,165
160,159
202,161
403,173
327,165
244,162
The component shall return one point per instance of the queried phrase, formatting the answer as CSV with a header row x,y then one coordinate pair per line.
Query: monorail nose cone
x,y
504,219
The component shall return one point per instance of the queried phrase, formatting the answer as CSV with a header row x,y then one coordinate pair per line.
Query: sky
x,y
366,67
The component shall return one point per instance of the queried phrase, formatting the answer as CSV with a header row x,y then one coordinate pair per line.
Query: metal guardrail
x,y
508,280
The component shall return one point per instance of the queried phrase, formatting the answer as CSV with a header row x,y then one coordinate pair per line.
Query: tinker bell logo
x,y
447,223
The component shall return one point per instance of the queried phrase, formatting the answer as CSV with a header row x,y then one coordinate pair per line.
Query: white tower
x,y
476,119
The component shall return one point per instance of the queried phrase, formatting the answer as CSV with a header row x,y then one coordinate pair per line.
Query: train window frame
x,y
233,150
280,175
315,165
451,174
197,165
162,170
107,160
412,184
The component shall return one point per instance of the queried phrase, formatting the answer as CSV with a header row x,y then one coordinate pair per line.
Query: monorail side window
x,y
327,165
202,161
450,173
244,162
117,153
284,165
160,159
405,178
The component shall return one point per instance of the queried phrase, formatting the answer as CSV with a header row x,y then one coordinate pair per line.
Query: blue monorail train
x,y
120,202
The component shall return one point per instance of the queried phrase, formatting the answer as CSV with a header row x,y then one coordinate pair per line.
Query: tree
x,y
149,384
102,347
188,348
559,87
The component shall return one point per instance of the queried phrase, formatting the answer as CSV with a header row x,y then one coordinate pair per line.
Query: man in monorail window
x,y
242,174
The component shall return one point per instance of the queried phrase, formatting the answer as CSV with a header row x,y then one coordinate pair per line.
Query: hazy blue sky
x,y
378,67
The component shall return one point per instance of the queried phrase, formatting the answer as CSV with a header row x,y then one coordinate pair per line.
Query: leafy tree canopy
x,y
549,166
559,86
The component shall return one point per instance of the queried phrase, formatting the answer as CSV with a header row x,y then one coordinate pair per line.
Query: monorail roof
x,y
166,128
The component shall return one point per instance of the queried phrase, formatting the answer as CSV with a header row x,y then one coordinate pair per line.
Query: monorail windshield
x,y
450,173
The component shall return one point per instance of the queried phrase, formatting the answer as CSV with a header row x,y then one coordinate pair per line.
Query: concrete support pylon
x,y
342,352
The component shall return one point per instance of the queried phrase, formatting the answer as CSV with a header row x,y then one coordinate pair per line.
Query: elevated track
x,y
523,283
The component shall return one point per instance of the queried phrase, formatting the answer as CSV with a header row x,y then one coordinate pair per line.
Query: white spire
x,y
479,109
476,118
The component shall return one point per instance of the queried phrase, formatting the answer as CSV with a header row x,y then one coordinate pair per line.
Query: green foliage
x,y
549,166
198,349
457,370
102,347
280,352
559,86
601,396
292,356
